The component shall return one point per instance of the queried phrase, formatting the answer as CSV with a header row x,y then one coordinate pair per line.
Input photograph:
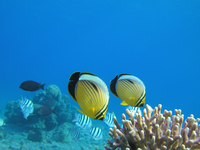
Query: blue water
x,y
157,41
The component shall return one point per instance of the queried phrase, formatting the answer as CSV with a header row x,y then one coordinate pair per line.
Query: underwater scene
x,y
100,75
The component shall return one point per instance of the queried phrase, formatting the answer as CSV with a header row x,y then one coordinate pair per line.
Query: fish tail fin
x,y
42,86
76,118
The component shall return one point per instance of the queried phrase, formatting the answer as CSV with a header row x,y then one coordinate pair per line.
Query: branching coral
x,y
155,131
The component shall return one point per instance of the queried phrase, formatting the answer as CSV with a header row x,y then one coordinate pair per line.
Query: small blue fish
x,y
109,119
82,121
26,106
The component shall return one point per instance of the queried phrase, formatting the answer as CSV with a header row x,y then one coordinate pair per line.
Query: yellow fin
x,y
92,109
124,103
81,112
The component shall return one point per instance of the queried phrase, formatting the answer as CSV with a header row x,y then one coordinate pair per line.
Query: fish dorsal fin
x,y
72,84
93,78
131,78
113,85
123,74
75,76
88,73
124,103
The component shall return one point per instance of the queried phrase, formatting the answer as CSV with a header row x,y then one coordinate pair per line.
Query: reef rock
x,y
49,97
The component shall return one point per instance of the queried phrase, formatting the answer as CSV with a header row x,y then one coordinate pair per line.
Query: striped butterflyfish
x,y
129,89
82,121
91,94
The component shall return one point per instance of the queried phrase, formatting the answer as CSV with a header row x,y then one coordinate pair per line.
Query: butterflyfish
x,y
130,89
91,94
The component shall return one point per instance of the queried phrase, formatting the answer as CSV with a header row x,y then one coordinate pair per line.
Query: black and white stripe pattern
x,y
82,121
96,133
109,119
26,106
76,132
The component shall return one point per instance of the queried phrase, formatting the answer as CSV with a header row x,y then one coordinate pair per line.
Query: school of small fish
x,y
85,123
92,95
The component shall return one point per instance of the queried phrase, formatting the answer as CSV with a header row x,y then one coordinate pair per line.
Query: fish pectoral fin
x,y
81,112
132,98
92,109
124,103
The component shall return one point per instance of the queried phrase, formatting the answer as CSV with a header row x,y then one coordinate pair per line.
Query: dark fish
x,y
31,86
45,111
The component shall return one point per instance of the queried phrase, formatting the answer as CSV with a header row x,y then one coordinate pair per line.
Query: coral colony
x,y
155,131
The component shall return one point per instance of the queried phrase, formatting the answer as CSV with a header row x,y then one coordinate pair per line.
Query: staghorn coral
x,y
155,131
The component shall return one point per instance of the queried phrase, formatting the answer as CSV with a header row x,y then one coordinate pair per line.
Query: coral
x,y
2,133
61,134
65,111
155,131
53,91
49,97
44,129
51,122
35,136
13,113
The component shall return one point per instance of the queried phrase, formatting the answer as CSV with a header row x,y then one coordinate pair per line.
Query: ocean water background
x,y
157,41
